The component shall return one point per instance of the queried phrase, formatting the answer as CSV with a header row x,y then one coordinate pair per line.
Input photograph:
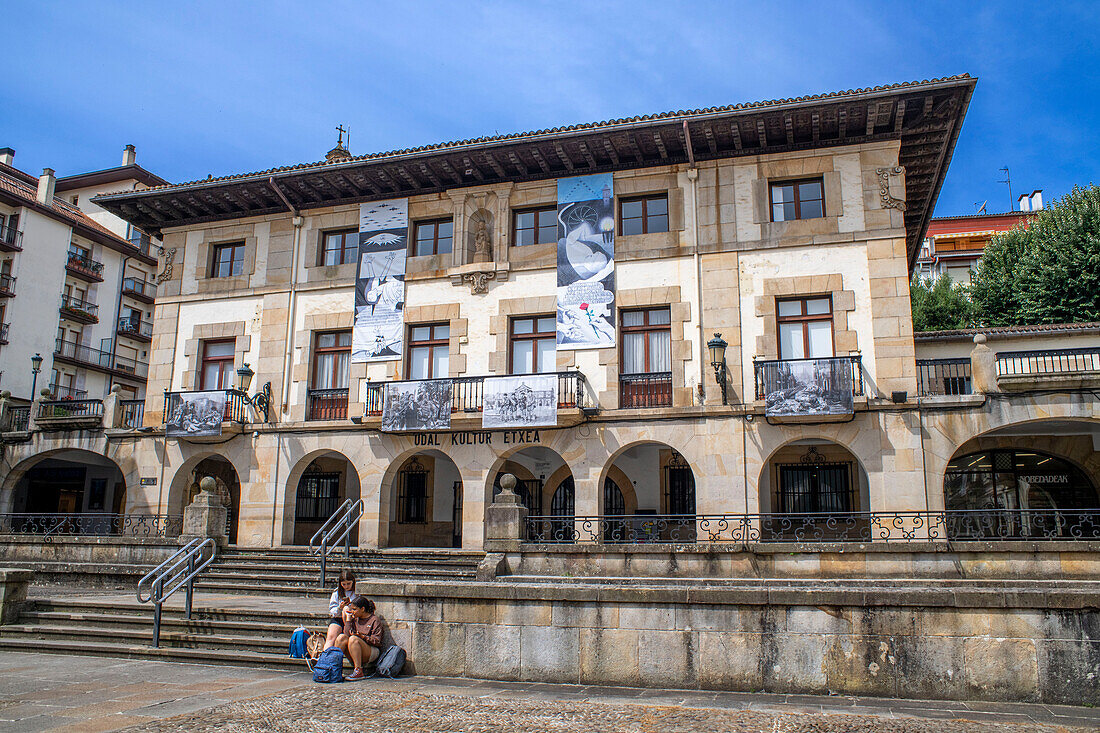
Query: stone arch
x,y
626,488
611,469
184,484
438,523
350,488
523,461
834,451
117,476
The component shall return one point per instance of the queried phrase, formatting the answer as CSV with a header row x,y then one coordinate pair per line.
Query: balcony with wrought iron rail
x,y
69,414
468,394
79,310
20,418
138,289
327,404
853,362
135,329
131,413
645,390
1028,370
87,356
236,405
61,392
84,267
4,328
11,239
7,286
943,377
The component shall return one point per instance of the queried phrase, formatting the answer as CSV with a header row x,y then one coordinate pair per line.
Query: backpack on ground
x,y
390,662
298,643
330,666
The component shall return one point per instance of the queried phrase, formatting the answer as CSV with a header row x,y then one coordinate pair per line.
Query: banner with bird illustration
x,y
379,332
586,262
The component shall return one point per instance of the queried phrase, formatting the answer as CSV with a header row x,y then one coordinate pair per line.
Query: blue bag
x,y
330,666
298,643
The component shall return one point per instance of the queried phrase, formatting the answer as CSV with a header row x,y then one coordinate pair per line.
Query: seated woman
x,y
337,605
362,637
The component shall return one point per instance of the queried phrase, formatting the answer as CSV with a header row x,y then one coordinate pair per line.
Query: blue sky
x,y
228,87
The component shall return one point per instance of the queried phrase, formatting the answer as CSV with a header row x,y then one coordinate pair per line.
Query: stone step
x,y
110,618
354,563
310,614
262,571
143,635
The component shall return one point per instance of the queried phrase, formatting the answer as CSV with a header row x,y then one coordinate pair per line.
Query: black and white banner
x,y
808,387
420,405
379,332
195,414
586,262
526,401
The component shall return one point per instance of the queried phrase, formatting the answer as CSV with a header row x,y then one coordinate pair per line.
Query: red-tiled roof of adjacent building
x,y
1037,329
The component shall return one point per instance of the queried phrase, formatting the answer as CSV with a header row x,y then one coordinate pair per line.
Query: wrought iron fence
x,y
61,392
236,405
138,288
99,524
468,393
853,361
4,332
966,524
134,327
11,238
85,265
133,413
79,307
60,409
327,404
93,357
1051,361
645,390
20,418
7,285
943,376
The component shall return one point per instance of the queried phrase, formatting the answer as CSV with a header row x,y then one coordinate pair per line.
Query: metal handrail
x,y
177,571
336,530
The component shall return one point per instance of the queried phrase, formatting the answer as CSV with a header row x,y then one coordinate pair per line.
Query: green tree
x,y
939,305
1046,273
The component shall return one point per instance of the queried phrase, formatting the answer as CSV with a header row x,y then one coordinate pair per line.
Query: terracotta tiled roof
x,y
744,106
58,207
1038,329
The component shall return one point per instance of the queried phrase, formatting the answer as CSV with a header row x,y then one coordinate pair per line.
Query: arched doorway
x,y
70,483
648,496
227,485
326,481
546,488
814,489
426,502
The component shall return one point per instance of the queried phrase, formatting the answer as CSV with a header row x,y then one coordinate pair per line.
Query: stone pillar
x,y
32,421
506,516
13,593
5,411
112,415
205,516
983,367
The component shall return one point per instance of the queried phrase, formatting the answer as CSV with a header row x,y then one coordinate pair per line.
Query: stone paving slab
x,y
48,692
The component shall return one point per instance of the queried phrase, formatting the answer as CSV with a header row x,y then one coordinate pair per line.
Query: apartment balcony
x,y
84,268
653,389
468,399
85,356
4,332
327,404
69,414
135,329
938,377
137,289
809,390
132,413
1021,371
60,392
7,286
78,310
11,239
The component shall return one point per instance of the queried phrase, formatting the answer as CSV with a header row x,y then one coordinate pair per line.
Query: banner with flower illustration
x,y
586,262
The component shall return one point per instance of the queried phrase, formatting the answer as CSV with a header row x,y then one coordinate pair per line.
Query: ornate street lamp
x,y
261,401
717,346
36,367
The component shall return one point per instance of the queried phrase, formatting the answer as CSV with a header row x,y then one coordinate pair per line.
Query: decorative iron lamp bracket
x,y
717,347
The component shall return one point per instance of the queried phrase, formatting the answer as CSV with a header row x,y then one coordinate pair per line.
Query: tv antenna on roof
x,y
981,207
1008,180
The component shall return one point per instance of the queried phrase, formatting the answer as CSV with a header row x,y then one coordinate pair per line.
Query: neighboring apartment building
x,y
652,323
76,284
954,244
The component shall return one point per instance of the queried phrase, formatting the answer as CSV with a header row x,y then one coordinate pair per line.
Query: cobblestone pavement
x,y
47,692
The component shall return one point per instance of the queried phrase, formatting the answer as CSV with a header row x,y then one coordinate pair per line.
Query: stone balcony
x,y
1024,371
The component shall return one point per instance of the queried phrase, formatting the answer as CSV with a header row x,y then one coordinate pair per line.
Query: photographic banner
x,y
526,401
379,331
196,414
586,262
420,405
808,387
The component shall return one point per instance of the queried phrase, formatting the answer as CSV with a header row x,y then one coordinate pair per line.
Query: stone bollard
x,y
205,516
506,516
112,416
13,593
983,367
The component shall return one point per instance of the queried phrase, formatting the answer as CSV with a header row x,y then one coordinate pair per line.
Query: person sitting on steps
x,y
337,605
362,637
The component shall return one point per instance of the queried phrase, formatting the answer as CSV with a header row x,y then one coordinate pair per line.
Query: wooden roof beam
x,y
430,175
899,116
565,159
872,117
842,124
472,169
404,173
660,143
350,184
150,212
761,133
387,180
708,135
449,170
788,126
495,165
518,164
540,160
635,147
735,133
611,151
587,154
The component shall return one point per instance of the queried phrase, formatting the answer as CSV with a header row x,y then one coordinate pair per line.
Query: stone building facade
x,y
783,232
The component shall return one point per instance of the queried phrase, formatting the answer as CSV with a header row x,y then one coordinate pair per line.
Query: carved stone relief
x,y
166,273
888,201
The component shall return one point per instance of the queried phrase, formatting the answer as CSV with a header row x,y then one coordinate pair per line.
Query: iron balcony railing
x,y
132,413
69,409
236,405
926,526
468,393
327,404
61,392
79,308
853,362
11,239
645,390
1050,361
7,286
135,329
126,525
84,266
943,376
20,418
4,332
139,289
99,359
